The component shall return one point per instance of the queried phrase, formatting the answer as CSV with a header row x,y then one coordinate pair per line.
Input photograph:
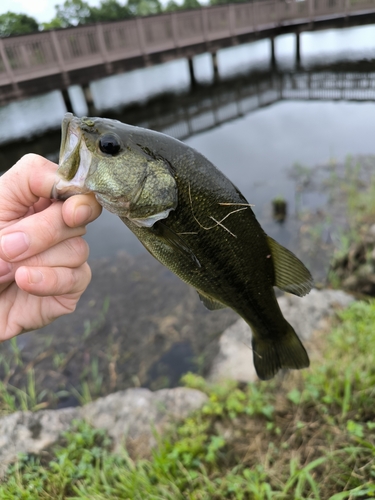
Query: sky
x,y
41,10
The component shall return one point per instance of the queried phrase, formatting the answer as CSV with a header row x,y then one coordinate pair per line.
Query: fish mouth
x,y
74,161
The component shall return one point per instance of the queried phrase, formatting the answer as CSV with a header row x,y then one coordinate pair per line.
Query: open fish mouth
x,y
74,161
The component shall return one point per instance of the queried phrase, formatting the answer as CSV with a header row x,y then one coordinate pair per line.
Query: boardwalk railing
x,y
225,105
64,51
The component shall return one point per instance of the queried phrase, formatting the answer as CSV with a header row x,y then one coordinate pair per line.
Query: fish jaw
x,y
74,161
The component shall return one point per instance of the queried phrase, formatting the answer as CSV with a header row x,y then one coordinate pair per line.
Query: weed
x,y
306,436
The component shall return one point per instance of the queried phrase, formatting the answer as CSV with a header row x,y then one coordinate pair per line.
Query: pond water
x,y
254,151
254,137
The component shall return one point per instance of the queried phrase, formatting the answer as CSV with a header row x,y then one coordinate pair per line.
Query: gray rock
x,y
306,314
28,432
235,358
131,418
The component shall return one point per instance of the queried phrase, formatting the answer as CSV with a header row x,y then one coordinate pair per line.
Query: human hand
x,y
43,268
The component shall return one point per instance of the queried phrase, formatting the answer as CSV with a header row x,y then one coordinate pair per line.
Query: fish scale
x,y
192,219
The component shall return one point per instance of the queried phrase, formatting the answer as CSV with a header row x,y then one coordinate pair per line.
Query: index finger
x,y
31,178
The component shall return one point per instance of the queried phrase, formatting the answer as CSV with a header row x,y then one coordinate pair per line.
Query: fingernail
x,y
14,244
5,268
82,214
35,276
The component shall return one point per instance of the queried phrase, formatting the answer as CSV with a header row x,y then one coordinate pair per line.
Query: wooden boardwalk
x,y
38,63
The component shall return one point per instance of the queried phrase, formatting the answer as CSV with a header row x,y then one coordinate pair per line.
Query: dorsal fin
x,y
290,274
210,303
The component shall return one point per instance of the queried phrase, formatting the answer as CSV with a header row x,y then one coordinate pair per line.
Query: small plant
x,y
310,435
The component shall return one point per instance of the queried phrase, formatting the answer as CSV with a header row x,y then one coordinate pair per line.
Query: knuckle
x,y
79,249
77,280
63,281
85,276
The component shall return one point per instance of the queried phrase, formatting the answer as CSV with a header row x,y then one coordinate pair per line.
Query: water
x,y
255,150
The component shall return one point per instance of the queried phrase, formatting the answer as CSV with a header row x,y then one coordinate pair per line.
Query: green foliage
x,y
186,4
20,391
309,436
109,10
144,7
17,24
72,13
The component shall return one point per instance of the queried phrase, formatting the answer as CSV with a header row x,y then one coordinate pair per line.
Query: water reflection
x,y
253,149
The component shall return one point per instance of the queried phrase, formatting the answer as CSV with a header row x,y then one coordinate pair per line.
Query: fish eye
x,y
109,144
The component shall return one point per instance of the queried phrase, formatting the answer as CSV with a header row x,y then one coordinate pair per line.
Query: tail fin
x,y
271,355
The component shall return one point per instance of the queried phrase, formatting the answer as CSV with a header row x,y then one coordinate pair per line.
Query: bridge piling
x,y
215,67
67,101
273,55
193,80
89,100
298,49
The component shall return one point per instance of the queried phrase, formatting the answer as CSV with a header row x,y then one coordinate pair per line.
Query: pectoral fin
x,y
290,274
210,303
175,241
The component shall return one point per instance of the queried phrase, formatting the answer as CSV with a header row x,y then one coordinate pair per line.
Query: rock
x,y
235,358
351,282
370,235
131,417
306,314
364,271
28,432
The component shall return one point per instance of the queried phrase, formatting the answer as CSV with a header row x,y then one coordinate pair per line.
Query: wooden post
x,y
8,69
141,35
89,100
67,101
311,9
103,48
175,30
193,81
215,67
298,49
273,56
60,59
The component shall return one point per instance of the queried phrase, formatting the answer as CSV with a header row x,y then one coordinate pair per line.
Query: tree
x,y
72,13
191,4
186,4
17,24
75,12
110,10
144,7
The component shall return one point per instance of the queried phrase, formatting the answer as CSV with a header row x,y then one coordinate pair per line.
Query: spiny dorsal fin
x,y
210,303
290,274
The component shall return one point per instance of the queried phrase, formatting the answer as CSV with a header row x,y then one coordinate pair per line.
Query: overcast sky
x,y
41,10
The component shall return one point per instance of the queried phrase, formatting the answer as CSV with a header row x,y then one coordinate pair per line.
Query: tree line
x,y
79,12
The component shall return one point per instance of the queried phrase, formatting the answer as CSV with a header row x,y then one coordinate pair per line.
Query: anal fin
x,y
210,303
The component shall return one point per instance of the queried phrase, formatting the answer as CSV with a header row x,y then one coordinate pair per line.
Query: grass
x,y
329,233
307,435
26,393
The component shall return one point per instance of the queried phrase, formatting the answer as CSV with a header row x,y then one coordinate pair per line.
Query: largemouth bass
x,y
192,219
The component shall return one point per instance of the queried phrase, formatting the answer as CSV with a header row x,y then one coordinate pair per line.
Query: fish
x,y
193,220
